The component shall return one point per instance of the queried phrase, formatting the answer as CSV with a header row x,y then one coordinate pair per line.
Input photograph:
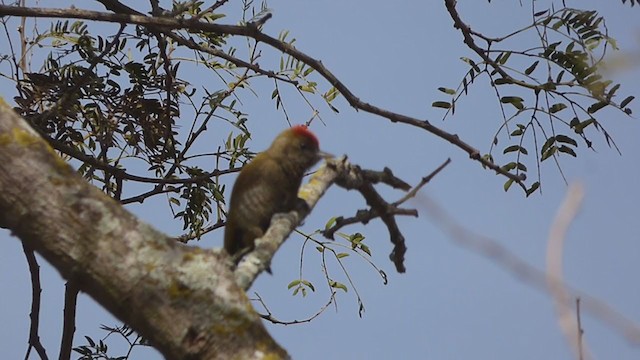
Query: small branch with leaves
x,y
166,24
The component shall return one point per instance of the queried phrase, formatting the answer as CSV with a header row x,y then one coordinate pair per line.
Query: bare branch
x,y
580,330
272,319
501,256
562,299
425,180
36,290
69,319
122,174
468,39
187,237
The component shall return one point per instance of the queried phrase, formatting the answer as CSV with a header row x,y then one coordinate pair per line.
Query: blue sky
x,y
452,303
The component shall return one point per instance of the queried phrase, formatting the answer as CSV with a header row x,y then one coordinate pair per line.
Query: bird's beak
x,y
325,155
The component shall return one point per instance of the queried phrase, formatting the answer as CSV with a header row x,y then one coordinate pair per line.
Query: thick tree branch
x,y
183,299
252,31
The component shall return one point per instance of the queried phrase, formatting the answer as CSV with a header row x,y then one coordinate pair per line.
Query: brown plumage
x,y
268,185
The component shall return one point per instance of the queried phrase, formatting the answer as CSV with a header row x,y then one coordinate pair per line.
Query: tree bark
x,y
183,299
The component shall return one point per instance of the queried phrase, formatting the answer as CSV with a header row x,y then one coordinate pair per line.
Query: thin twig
x,y
557,235
69,322
36,290
580,331
269,315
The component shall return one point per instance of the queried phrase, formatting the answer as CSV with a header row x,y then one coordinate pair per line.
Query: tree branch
x,y
183,299
528,274
344,175
36,290
253,32
122,174
69,319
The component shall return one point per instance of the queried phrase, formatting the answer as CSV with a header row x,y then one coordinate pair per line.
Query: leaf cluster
x,y
550,96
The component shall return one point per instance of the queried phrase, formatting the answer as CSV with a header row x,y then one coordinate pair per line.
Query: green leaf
x,y
548,153
502,81
488,158
612,91
626,101
502,59
597,106
293,283
510,99
557,25
308,71
510,166
533,188
441,104
557,107
341,255
90,341
580,127
331,94
513,100
574,122
309,285
508,184
521,167
513,148
517,132
550,141
337,285
356,238
447,90
472,63
310,88
330,223
567,150
531,68
565,139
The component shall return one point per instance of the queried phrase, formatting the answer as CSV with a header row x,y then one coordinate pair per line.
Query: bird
x,y
268,185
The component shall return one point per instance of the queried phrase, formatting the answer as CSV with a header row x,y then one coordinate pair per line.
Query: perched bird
x,y
268,185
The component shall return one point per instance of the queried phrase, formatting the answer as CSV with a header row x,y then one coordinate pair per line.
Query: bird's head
x,y
299,146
